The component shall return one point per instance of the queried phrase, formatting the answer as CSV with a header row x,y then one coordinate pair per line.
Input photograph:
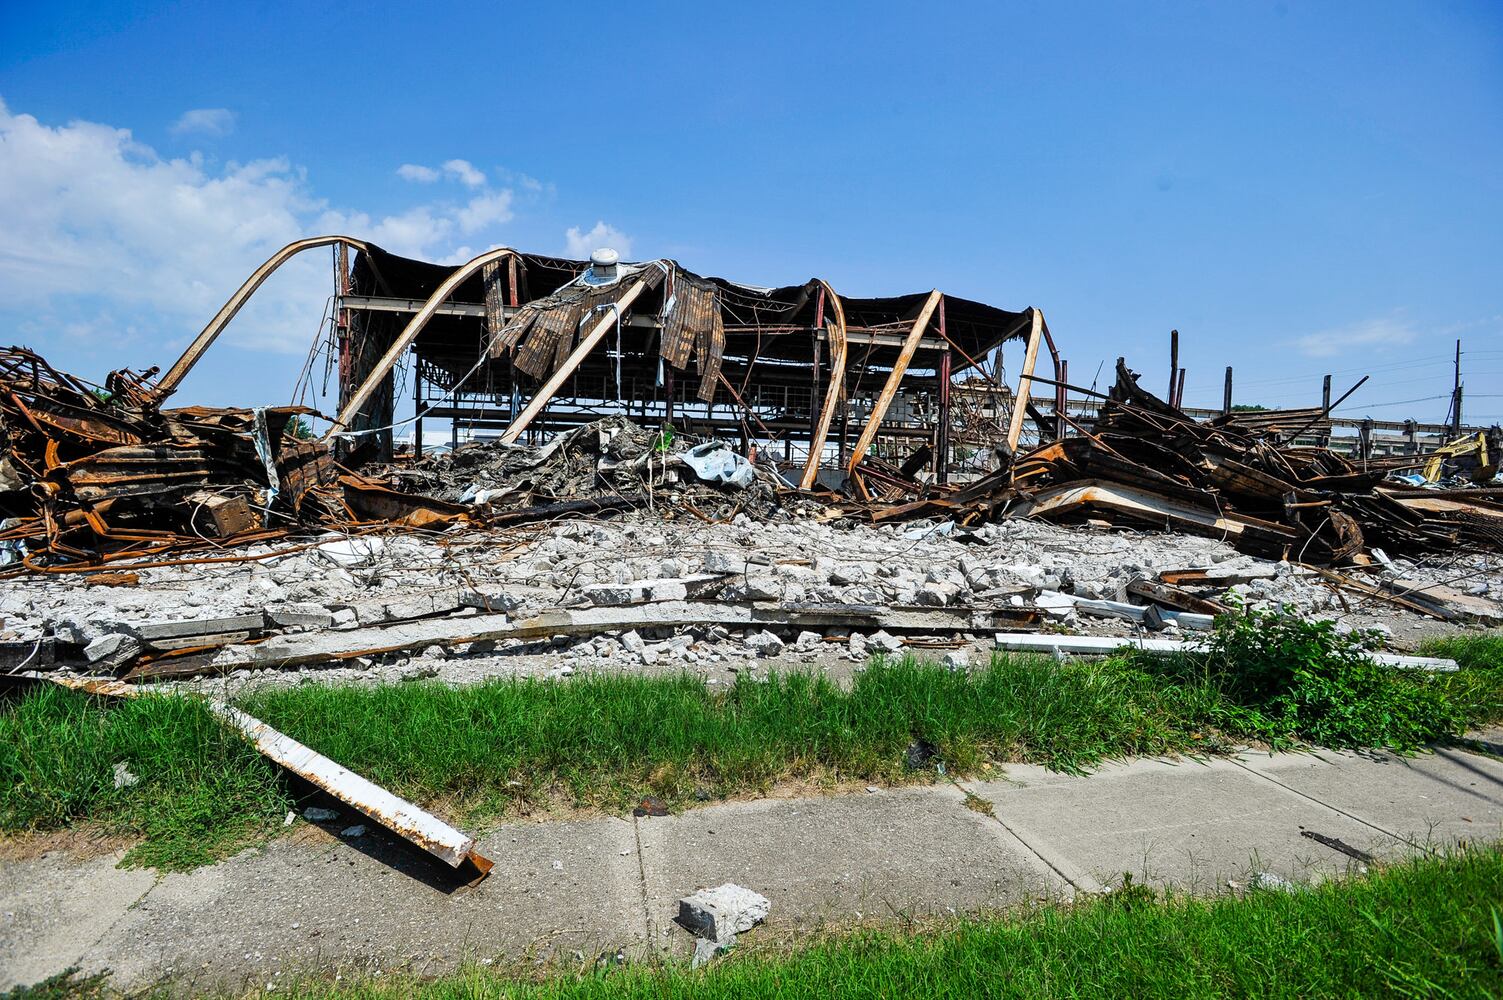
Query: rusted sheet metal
x,y
450,845
112,476
1152,510
1146,463
373,501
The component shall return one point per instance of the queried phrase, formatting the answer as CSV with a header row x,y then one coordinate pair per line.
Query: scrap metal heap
x,y
91,474
1145,464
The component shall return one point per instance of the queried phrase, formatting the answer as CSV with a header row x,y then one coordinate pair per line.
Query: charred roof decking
x,y
506,328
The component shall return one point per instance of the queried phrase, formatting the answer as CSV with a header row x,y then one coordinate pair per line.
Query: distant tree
x,y
1247,407
300,429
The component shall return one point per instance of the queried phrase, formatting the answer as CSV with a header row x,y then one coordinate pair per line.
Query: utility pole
x,y
1456,396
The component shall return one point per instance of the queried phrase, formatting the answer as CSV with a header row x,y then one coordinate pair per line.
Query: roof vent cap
x,y
602,267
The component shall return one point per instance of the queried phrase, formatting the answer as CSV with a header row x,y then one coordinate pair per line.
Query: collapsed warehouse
x,y
846,403
686,473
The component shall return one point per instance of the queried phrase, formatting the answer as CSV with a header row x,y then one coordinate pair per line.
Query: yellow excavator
x,y
1472,455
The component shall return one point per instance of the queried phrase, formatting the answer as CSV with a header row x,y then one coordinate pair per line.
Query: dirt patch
x,y
81,842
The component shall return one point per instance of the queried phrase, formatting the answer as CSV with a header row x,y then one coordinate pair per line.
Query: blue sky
x,y
1298,188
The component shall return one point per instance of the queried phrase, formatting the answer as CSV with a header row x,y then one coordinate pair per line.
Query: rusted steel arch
x,y
180,369
834,393
409,334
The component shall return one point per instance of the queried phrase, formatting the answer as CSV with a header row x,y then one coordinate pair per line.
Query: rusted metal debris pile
x,y
94,474
1145,464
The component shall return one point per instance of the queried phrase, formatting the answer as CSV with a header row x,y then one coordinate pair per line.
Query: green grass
x,y
1483,651
1424,928
607,740
202,790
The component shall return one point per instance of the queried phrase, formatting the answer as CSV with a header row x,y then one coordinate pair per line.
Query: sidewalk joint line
x,y
1326,805
1056,869
636,831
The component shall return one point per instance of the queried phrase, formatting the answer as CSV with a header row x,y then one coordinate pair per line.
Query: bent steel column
x,y
409,334
1025,381
894,378
168,384
834,393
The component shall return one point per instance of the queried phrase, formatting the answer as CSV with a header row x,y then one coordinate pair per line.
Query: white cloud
x,y
417,173
485,210
205,121
104,240
580,245
1372,334
461,171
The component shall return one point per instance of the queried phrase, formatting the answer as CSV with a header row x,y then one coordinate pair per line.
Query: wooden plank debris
x,y
413,824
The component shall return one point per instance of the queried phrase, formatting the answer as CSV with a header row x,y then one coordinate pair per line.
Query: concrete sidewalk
x,y
316,903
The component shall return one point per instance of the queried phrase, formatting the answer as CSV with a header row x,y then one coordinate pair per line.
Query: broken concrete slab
x,y
698,586
721,913
288,651
299,615
1447,602
111,652
380,611
156,632
1101,645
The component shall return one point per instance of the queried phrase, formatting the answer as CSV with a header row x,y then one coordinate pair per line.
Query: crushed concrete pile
x,y
644,594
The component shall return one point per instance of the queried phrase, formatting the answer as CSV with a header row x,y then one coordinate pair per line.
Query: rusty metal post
x,y
417,405
342,320
1226,393
942,449
1179,390
1061,400
1325,408
814,394
1173,362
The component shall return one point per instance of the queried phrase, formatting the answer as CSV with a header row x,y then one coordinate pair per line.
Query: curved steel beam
x,y
833,393
175,375
409,334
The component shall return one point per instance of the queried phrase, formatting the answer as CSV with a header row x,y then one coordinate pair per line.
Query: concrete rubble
x,y
717,915
411,587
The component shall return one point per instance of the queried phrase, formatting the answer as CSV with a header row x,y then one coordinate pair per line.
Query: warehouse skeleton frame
x,y
562,342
